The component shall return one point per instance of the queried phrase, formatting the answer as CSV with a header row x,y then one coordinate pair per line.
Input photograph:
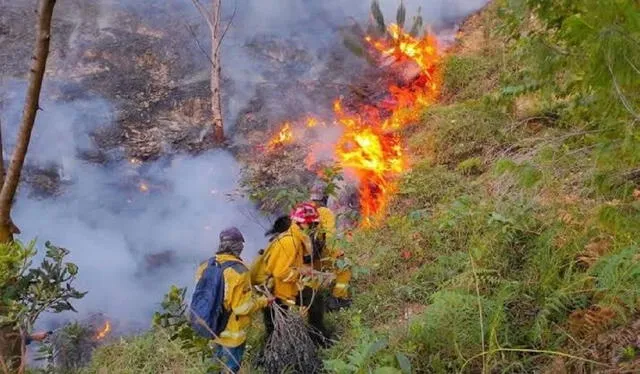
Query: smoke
x,y
130,244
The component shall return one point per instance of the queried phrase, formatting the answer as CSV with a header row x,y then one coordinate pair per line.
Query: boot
x,y
337,303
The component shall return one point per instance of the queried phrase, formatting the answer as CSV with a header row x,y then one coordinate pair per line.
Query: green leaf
x,y
417,24
401,14
72,268
378,17
376,347
403,362
387,370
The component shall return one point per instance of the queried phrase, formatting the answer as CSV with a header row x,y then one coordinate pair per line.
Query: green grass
x,y
151,353
489,235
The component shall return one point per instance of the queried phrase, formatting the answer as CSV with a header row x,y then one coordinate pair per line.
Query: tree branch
x,y
204,13
195,37
233,15
36,74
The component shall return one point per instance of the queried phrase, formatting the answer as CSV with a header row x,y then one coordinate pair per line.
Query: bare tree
x,y
1,157
213,19
11,345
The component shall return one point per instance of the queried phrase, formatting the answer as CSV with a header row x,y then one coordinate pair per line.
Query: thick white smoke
x,y
110,225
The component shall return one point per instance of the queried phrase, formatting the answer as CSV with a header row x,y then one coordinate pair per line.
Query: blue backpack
x,y
207,302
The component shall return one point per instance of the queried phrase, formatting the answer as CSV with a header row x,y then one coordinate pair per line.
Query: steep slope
x,y
512,245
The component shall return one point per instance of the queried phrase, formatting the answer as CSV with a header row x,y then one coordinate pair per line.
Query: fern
x,y
618,280
360,360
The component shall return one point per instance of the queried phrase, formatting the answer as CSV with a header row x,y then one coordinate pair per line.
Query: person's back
x,y
239,299
281,261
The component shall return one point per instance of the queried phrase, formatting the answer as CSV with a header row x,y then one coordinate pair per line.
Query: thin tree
x,y
31,106
12,346
213,19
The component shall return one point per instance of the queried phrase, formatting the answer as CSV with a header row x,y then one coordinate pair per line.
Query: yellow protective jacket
x,y
328,228
333,253
278,268
239,299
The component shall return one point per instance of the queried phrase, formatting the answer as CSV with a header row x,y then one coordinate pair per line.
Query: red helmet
x,y
305,213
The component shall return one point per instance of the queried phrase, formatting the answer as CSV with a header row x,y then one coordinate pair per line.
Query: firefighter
x,y
282,266
332,257
239,299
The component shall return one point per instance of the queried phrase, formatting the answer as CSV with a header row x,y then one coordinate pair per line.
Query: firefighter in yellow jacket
x,y
239,299
334,257
283,265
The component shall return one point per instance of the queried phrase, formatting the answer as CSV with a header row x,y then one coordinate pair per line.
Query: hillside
x,y
512,244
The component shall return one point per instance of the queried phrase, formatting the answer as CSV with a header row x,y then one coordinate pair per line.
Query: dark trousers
x,y
315,314
231,357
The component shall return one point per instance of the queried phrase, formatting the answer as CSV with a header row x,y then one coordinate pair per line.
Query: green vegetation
x,y
151,353
27,291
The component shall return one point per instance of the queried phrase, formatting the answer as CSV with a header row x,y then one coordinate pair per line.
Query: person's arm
x,y
243,300
38,336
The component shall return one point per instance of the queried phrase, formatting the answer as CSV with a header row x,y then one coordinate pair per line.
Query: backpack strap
x,y
238,266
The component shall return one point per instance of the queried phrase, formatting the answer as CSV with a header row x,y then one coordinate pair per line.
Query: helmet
x,y
319,191
231,234
305,213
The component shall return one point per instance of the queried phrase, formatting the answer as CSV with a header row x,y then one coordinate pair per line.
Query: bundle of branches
x,y
290,348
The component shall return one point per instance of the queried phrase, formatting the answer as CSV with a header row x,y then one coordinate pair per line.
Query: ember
x,y
104,331
312,122
143,187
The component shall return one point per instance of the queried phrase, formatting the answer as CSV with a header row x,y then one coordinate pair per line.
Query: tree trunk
x,y
10,349
38,64
1,159
10,340
216,102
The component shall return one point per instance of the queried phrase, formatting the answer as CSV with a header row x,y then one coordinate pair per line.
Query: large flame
x,y
371,146
104,331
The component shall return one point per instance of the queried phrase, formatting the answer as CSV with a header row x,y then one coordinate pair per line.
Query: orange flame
x,y
284,136
370,145
104,331
312,122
